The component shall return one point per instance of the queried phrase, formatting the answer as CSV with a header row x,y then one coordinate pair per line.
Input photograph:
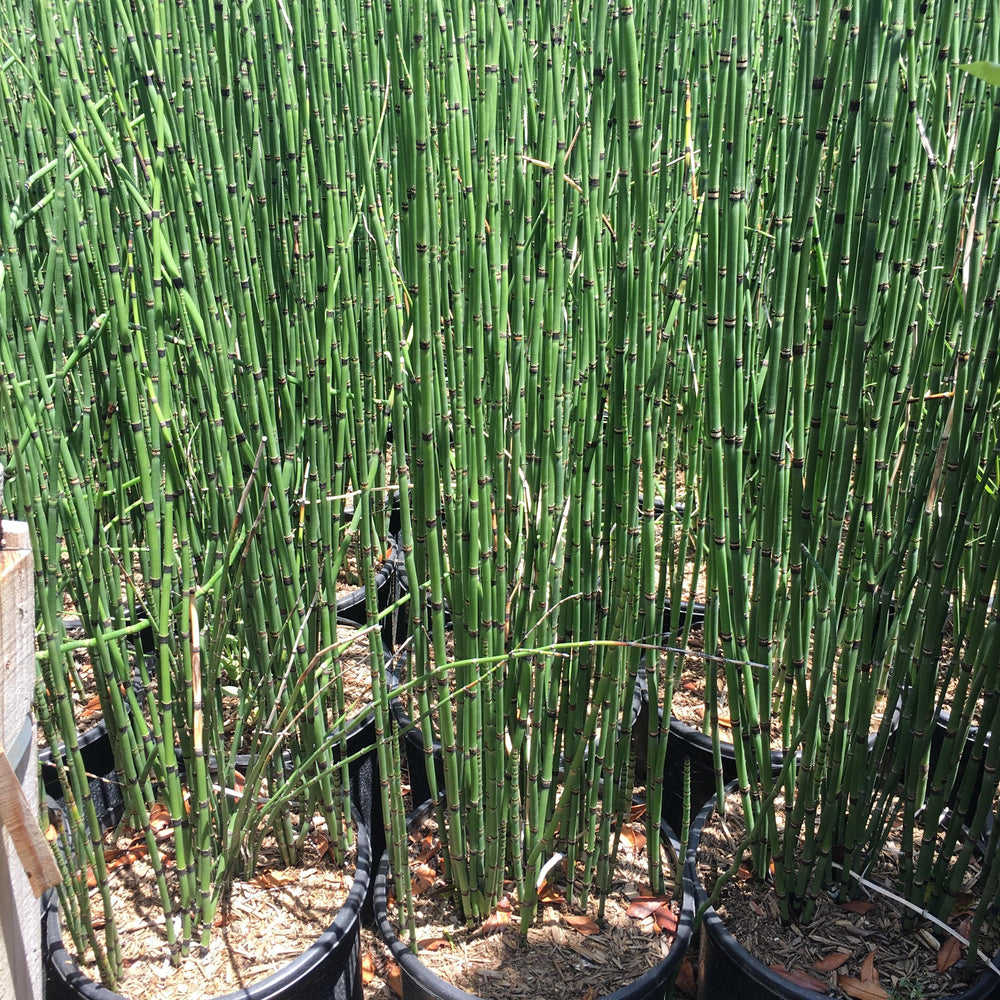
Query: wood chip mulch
x,y
267,921
566,950
865,940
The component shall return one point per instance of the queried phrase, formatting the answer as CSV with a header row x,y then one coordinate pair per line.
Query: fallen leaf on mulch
x,y
550,894
498,920
643,906
860,990
868,973
858,906
160,822
273,879
429,849
117,858
658,907
800,978
832,961
367,968
433,944
422,878
322,845
951,951
581,923
633,836
394,978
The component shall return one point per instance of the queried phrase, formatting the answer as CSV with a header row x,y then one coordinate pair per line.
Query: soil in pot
x,y
861,947
568,955
267,923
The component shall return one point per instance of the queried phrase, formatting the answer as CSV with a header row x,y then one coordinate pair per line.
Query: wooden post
x,y
20,917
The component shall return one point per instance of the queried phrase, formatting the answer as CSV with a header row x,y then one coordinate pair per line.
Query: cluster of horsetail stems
x,y
620,301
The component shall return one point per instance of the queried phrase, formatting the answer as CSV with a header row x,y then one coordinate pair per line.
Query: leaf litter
x,y
568,950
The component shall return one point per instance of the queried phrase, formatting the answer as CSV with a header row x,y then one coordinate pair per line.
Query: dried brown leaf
x,y
499,919
868,973
948,954
550,894
800,978
634,836
274,879
860,990
422,878
394,978
643,906
322,844
367,968
433,944
832,961
581,923
861,906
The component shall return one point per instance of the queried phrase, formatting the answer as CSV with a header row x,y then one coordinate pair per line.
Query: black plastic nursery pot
x,y
390,586
727,970
412,747
420,983
939,741
102,776
352,607
687,743
329,969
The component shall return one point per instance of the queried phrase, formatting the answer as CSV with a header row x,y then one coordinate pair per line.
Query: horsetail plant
x,y
195,401
850,468
651,297
540,260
